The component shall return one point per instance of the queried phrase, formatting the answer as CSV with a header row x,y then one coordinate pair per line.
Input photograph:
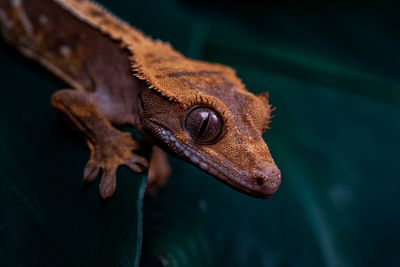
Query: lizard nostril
x,y
259,180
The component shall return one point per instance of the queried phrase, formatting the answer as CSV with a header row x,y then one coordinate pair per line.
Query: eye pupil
x,y
203,124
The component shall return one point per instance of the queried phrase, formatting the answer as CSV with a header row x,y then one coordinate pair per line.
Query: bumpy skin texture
x,y
120,76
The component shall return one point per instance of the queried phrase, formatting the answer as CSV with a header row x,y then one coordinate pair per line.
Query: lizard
x,y
198,111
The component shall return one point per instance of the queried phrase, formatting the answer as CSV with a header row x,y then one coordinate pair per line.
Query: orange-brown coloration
x,y
123,77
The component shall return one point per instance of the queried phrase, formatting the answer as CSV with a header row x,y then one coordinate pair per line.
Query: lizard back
x,y
60,39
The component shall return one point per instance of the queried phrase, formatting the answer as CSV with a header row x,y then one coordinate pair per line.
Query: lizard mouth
x,y
260,185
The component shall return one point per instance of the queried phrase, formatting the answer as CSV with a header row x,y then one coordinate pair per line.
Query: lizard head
x,y
202,113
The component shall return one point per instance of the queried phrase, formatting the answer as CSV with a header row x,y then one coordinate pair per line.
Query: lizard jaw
x,y
261,184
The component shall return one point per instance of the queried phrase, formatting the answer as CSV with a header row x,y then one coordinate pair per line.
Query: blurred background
x,y
332,71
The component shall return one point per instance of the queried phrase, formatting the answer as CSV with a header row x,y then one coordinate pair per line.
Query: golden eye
x,y
203,125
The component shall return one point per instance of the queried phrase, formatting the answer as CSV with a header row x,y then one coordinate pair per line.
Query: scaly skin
x,y
198,111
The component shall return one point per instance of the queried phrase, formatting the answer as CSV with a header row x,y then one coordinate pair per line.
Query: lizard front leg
x,y
109,147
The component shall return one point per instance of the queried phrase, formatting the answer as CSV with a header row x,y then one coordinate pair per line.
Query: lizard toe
x,y
108,183
91,171
137,163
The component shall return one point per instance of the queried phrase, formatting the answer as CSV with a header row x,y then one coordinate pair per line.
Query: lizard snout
x,y
265,181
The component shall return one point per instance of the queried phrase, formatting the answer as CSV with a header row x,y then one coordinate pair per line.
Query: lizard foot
x,y
108,155
159,171
109,146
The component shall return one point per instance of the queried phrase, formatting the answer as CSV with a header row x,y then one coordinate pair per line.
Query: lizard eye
x,y
203,124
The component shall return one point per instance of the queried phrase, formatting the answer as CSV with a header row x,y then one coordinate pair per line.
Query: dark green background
x,y
333,74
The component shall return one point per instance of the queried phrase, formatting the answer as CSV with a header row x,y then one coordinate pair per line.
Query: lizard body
x,y
198,111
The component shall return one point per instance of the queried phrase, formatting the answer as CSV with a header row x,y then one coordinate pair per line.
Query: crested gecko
x,y
198,111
